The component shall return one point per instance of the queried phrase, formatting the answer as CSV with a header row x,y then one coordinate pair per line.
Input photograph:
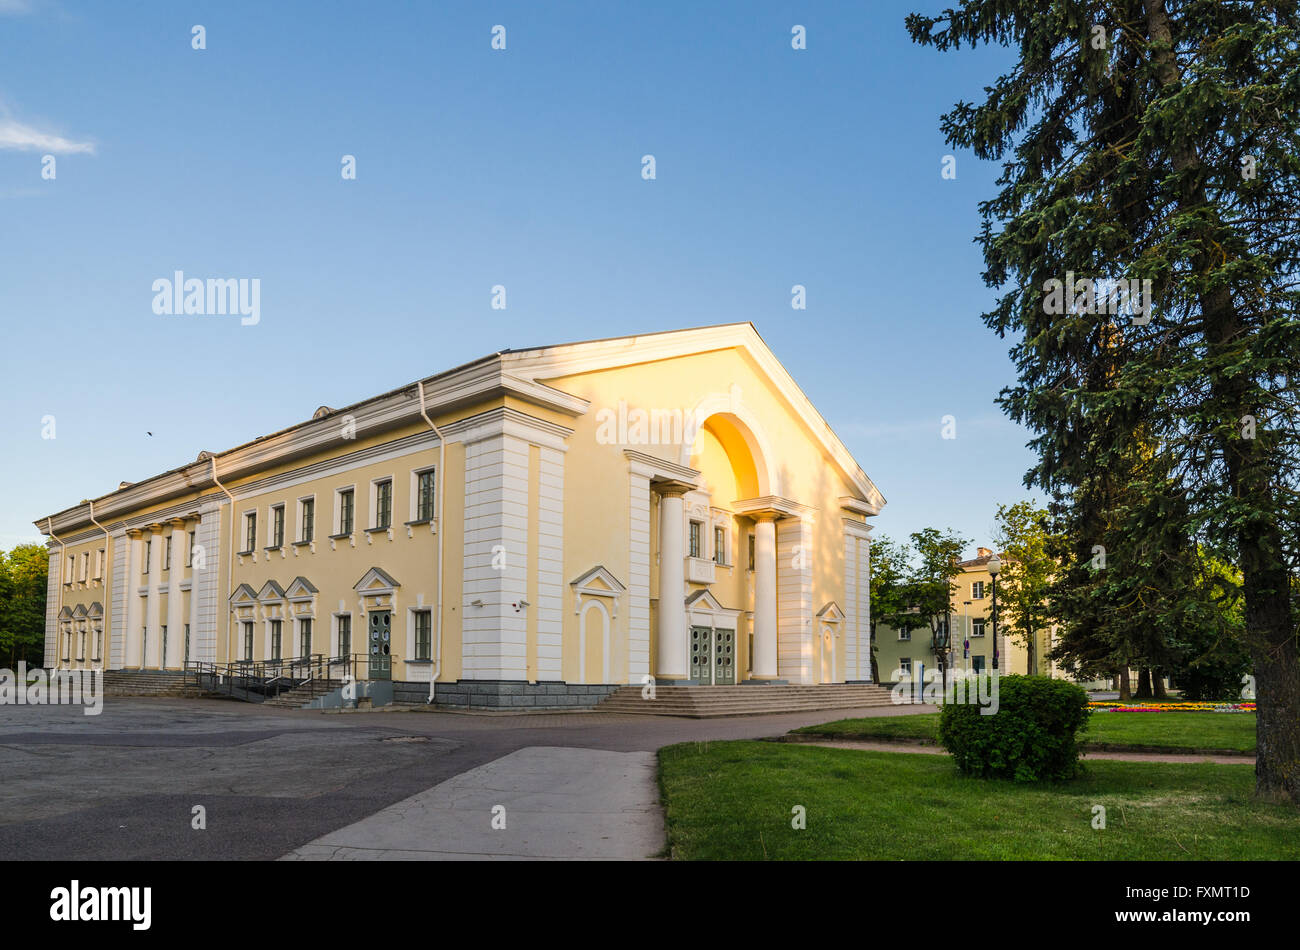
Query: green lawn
x,y
1175,731
733,801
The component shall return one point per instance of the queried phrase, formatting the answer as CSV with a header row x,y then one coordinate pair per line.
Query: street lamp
x,y
995,565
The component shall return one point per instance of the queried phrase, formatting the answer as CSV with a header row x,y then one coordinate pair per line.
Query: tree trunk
x,y
1125,690
1158,685
1144,683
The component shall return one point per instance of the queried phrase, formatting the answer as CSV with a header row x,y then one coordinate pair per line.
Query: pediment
x,y
271,591
79,612
301,589
831,613
65,613
96,611
243,595
598,581
376,580
704,600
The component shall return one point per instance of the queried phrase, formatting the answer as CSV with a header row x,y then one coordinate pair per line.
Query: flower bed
x,y
1171,707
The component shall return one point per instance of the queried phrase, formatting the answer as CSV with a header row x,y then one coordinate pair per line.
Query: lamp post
x,y
995,565
965,647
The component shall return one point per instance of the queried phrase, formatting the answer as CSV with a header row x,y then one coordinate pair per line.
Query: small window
x,y
304,637
346,506
383,503
148,555
85,566
100,556
977,590
345,634
424,495
423,635
187,644
248,640
977,664
70,573
307,520
250,531
277,526
719,544
167,553
751,552
905,664
696,544
277,639
904,633
977,628
189,551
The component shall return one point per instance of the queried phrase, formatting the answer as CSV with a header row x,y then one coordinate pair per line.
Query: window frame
x,y
306,526
275,526
350,492
375,506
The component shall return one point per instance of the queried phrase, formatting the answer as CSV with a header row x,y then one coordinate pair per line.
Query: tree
x,y
23,573
1157,140
889,570
930,587
1026,577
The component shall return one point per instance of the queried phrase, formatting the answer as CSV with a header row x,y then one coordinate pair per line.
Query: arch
x,y
582,639
737,428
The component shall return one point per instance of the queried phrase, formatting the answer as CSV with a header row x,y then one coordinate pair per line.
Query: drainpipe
x,y
230,560
438,482
63,560
107,576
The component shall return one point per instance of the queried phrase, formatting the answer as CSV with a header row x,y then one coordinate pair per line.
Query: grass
x,y
733,801
1225,733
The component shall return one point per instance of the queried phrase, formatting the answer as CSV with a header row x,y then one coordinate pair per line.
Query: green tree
x,y
1163,147
1027,573
931,585
23,573
889,569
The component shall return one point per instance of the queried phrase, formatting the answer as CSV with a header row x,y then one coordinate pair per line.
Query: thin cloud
x,y
20,137
15,7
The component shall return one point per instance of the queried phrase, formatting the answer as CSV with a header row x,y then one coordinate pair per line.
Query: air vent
x,y
322,412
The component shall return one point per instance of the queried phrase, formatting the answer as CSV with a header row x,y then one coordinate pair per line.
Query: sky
x,y
477,167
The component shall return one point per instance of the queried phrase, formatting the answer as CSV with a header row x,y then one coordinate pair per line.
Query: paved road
x,y
125,784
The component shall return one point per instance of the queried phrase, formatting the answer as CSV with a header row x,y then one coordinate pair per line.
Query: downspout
x,y
438,482
107,576
230,560
63,560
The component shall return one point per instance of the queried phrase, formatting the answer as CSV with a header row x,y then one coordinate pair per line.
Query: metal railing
x,y
246,679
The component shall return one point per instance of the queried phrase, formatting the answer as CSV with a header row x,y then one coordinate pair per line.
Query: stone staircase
x,y
301,695
705,702
145,683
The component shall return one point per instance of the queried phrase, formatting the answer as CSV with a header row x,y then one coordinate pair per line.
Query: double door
x,y
713,656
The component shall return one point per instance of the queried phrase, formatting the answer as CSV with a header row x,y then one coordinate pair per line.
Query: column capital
x,y
672,488
155,528
177,524
135,534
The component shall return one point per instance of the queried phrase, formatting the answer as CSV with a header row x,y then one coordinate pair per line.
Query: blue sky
x,y
478,167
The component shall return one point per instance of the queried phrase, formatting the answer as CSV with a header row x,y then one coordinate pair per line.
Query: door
x,y
828,655
701,654
724,657
381,657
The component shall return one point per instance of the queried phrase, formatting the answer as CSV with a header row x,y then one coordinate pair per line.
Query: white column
x,y
674,644
175,600
764,597
153,611
131,634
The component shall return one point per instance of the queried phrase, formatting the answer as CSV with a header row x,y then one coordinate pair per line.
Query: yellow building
x,y
537,523
972,632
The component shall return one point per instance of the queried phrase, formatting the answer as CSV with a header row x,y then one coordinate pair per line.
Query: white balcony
x,y
699,570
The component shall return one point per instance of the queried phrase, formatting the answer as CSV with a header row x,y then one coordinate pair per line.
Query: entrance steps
x,y
303,694
145,683
704,702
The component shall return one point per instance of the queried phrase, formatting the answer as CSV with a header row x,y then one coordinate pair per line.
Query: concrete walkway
x,y
541,802
1118,756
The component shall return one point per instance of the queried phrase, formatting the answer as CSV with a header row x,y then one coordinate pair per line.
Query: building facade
x,y
668,506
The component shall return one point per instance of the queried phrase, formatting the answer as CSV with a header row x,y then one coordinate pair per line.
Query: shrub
x,y
1033,735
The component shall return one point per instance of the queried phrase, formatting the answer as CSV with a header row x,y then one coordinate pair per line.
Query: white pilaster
x,y
765,613
153,609
638,613
794,600
674,644
134,617
175,599
550,564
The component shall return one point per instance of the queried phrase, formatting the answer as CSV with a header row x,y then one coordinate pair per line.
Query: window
x,y
696,528
164,646
148,555
277,639
70,574
904,633
383,503
307,520
719,544
346,505
977,628
250,531
977,664
977,590
751,552
189,551
187,644
424,496
345,634
248,640
144,645
167,553
99,564
99,645
905,665
277,526
85,566
304,637
423,635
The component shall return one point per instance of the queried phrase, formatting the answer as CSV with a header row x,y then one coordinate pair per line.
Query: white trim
x,y
582,640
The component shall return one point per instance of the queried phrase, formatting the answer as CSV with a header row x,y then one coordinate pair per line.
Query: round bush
x,y
1032,736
